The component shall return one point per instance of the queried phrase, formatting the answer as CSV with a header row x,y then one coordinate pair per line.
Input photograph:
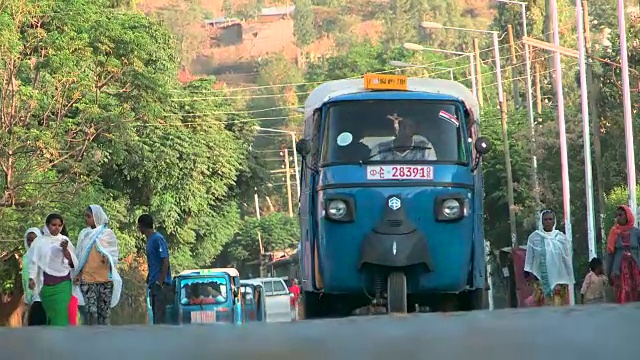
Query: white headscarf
x,y
106,243
45,256
34,230
557,254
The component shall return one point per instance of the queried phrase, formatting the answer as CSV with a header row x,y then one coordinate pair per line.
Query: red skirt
x,y
627,284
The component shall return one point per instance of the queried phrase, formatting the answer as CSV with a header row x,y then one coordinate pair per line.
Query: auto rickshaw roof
x,y
251,283
332,89
231,271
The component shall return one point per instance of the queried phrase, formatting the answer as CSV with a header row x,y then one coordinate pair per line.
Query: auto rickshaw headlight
x,y
451,208
337,209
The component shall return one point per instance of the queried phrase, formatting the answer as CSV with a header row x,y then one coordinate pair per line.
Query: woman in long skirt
x,y
623,256
98,277
548,263
51,260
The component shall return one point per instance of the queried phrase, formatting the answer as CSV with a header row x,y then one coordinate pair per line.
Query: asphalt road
x,y
607,332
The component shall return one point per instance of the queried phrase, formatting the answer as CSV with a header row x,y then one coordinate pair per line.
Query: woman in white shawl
x,y
51,258
100,283
548,264
35,315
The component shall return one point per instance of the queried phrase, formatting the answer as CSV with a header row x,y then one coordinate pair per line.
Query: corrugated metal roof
x,y
280,10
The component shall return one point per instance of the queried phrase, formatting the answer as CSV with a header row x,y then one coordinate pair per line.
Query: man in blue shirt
x,y
159,277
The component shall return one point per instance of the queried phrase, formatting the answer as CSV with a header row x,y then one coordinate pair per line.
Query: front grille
x,y
394,223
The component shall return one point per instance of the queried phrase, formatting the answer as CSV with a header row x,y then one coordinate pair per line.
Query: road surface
x,y
607,332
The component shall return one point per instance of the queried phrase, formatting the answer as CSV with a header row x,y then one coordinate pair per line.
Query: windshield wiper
x,y
400,148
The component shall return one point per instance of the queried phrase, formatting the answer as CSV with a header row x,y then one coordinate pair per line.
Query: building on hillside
x,y
272,14
224,31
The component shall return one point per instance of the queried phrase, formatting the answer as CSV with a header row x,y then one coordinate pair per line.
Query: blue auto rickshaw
x,y
204,296
391,210
253,302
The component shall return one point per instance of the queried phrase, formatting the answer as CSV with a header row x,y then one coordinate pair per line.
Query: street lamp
x,y
402,64
503,113
295,152
417,47
532,126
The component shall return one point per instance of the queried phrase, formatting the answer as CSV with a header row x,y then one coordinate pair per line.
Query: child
x,y
595,283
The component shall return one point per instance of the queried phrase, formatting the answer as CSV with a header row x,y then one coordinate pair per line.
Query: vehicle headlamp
x,y
337,209
451,208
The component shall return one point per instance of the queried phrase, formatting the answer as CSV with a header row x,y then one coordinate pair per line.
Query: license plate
x,y
203,317
396,172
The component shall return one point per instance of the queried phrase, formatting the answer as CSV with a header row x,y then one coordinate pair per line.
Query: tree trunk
x,y
12,307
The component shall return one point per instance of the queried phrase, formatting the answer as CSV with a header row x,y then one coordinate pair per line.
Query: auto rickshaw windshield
x,y
205,290
394,130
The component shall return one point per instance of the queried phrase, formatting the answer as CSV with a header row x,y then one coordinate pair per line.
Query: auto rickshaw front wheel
x,y
397,293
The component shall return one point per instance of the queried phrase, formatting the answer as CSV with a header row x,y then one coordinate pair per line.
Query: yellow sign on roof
x,y
385,82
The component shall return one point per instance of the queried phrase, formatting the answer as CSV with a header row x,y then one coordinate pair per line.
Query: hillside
x,y
231,49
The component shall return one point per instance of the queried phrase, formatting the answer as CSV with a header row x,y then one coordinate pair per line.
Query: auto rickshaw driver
x,y
404,146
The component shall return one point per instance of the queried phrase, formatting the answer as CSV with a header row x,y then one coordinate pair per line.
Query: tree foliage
x,y
303,19
92,113
277,230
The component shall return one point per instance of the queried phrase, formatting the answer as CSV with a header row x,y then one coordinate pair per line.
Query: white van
x,y
277,298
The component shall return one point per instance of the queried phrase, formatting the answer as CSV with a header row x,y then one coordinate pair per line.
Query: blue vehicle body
x,y
349,260
253,301
186,309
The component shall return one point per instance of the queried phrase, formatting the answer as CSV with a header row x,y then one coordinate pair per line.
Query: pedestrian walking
x,y
548,264
36,315
623,256
595,284
294,289
159,276
96,274
51,259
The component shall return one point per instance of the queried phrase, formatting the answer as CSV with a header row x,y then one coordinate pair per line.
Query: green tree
x,y
278,231
400,22
185,20
74,75
92,113
227,8
303,19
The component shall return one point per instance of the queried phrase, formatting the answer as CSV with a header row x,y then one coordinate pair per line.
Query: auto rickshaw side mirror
x,y
482,145
303,147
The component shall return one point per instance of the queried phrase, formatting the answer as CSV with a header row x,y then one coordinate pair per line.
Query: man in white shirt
x,y
404,146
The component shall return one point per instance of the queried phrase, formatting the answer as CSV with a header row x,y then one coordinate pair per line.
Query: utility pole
x,y
261,257
514,71
593,94
538,92
564,161
505,142
288,177
584,100
628,114
476,51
